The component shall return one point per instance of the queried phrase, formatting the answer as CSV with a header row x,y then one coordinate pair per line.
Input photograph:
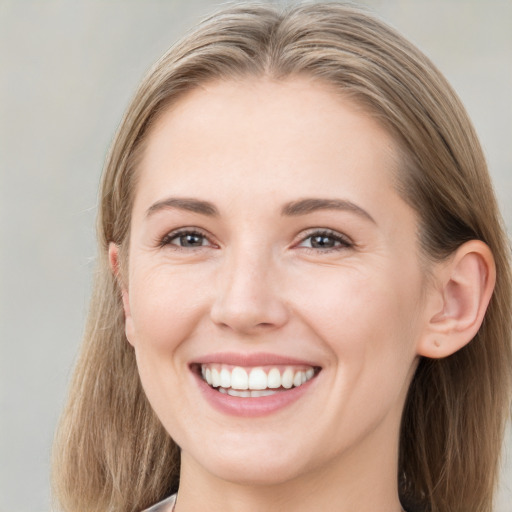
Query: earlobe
x,y
465,283
113,256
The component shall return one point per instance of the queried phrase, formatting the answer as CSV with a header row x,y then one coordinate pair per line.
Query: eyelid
x,y
346,241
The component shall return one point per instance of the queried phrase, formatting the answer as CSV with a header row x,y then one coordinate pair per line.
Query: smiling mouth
x,y
255,381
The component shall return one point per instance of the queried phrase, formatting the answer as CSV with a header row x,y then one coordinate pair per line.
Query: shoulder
x,y
166,505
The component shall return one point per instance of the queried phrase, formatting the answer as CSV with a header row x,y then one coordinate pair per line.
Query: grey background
x,y
67,71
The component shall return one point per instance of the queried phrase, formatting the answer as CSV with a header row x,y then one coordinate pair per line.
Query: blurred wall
x,y
67,71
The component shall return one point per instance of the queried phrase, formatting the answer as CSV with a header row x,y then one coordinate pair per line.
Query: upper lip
x,y
250,360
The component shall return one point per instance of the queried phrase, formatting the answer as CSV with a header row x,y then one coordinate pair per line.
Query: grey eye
x,y
189,240
325,240
322,242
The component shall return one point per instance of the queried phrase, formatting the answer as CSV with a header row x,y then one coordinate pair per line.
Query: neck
x,y
363,479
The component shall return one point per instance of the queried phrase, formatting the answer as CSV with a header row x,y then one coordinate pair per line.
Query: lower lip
x,y
251,407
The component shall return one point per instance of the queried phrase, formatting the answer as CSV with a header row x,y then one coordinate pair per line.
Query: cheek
x,y
347,302
165,307
367,319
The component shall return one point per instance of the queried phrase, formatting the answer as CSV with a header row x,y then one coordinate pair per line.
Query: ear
x,y
458,300
113,256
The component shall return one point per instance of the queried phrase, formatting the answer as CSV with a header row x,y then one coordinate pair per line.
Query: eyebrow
x,y
309,205
294,208
184,203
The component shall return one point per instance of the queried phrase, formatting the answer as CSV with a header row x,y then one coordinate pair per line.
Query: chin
x,y
254,466
259,473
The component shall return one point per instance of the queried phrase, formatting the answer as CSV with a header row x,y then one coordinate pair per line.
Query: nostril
x,y
242,312
248,299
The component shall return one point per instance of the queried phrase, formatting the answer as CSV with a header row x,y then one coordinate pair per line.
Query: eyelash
x,y
342,241
167,239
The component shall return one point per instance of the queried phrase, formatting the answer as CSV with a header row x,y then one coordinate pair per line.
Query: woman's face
x,y
269,250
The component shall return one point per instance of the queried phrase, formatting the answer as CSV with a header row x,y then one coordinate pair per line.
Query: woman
x,y
303,293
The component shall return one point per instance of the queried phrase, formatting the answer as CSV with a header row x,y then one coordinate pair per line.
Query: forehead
x,y
262,134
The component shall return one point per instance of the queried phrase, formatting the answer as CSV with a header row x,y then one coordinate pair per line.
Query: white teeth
x,y
287,378
297,379
248,393
239,378
263,392
257,379
236,392
255,382
215,378
274,379
225,378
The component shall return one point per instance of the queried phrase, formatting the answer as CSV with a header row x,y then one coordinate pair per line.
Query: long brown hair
x,y
111,452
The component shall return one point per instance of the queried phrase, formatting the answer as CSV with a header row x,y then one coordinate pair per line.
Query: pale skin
x,y
339,284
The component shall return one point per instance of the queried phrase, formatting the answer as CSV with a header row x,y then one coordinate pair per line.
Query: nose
x,y
248,298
